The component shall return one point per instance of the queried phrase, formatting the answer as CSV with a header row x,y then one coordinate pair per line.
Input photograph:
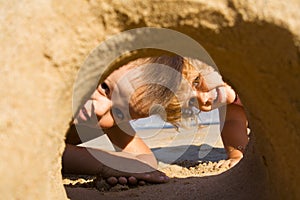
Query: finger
x,y
156,178
122,180
142,183
164,179
112,181
132,180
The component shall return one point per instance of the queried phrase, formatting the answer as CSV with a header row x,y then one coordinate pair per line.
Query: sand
x,y
181,156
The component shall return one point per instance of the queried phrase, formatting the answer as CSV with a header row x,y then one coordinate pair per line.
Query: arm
x,y
135,159
77,160
80,160
129,142
234,131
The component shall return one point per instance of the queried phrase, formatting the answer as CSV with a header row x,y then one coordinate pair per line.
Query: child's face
x,y
209,91
109,104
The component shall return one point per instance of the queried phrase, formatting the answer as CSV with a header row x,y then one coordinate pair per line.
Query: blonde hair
x,y
179,112
167,96
158,96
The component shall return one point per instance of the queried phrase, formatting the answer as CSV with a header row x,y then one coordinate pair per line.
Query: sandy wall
x,y
43,44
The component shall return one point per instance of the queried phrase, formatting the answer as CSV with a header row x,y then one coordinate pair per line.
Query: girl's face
x,y
109,104
209,91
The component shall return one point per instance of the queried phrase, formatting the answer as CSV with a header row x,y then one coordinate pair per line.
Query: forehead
x,y
123,76
118,73
210,76
122,86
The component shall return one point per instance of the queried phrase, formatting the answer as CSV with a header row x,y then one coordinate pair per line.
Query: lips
x,y
83,114
217,95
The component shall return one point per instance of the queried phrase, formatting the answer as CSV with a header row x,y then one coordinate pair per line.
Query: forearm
x,y
132,144
80,160
235,139
145,157
234,132
148,159
141,151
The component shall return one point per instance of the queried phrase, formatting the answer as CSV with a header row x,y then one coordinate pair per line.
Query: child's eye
x,y
196,81
192,102
118,113
105,87
187,112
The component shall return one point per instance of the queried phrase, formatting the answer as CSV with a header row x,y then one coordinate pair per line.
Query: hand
x,y
229,163
230,94
124,180
133,178
133,170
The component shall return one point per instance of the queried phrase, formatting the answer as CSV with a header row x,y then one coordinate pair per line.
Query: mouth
x,y
83,114
218,97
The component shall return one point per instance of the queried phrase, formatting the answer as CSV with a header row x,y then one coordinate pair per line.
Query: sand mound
x,y
255,46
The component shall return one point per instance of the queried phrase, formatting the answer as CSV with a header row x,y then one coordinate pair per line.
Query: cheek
x,y
107,121
102,106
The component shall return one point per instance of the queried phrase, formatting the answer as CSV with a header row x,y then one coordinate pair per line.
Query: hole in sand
x,y
180,153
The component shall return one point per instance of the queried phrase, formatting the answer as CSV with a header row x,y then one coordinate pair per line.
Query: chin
x,y
106,124
206,109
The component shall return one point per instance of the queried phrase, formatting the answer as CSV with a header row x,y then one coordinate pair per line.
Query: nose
x,y
101,104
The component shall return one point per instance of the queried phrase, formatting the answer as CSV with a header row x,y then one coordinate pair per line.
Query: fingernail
x,y
142,183
147,176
